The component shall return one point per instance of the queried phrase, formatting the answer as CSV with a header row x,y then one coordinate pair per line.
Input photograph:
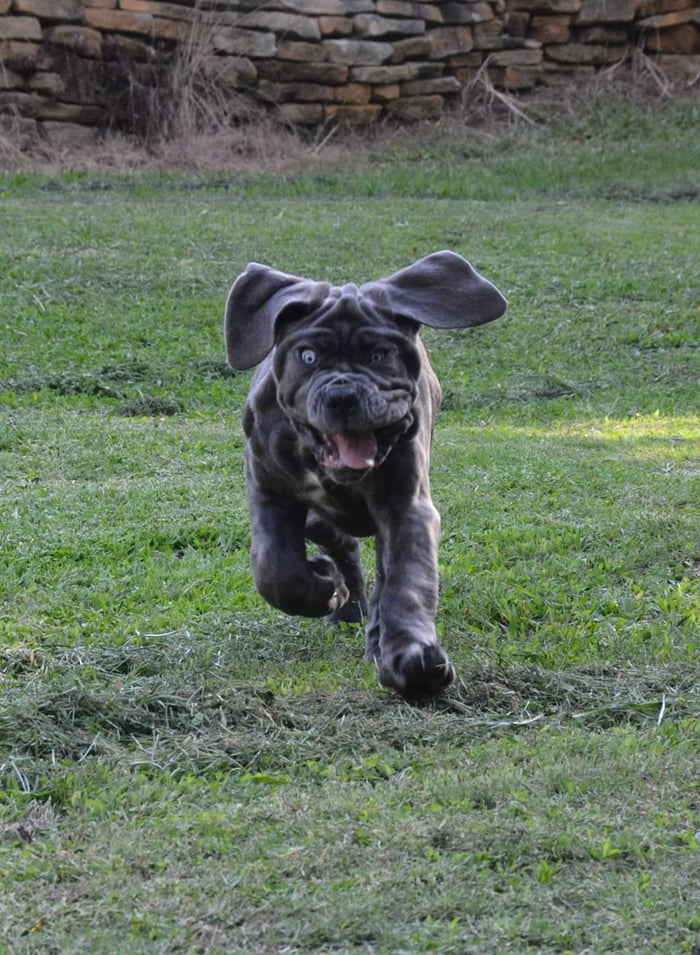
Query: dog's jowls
x,y
339,423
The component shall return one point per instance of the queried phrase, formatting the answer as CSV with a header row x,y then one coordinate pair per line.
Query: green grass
x,y
182,769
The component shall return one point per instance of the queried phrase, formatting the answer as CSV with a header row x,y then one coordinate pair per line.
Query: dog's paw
x,y
354,611
326,573
338,601
416,670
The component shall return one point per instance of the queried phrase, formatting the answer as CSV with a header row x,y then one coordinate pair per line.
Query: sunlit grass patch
x,y
581,541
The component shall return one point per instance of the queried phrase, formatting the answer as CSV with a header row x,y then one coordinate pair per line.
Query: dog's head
x,y
346,360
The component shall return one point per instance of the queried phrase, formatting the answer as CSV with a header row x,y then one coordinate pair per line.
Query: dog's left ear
x,y
256,302
442,290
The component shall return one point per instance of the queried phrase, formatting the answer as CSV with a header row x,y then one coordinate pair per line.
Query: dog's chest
x,y
343,506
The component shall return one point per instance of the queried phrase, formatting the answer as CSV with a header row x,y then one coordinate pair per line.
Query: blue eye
x,y
307,356
377,356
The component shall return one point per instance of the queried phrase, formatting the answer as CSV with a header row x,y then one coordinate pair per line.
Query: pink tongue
x,y
356,449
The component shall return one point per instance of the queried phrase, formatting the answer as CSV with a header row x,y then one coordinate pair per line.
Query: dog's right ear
x,y
254,306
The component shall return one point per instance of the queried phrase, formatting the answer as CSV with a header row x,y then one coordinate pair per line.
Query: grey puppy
x,y
339,422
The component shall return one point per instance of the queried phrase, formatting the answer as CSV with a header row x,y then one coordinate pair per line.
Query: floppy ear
x,y
442,290
255,303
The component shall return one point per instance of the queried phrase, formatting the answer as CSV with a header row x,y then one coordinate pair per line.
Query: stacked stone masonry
x,y
66,65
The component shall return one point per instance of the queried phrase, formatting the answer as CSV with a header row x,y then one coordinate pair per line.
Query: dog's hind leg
x,y
344,551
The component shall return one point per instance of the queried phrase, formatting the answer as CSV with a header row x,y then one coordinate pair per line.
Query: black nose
x,y
341,398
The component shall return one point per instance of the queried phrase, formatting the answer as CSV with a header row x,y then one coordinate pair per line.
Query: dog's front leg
x,y
284,575
411,659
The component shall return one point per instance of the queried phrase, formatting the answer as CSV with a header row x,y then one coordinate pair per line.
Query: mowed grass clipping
x,y
185,770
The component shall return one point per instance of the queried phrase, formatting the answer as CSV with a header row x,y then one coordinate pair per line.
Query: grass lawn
x,y
182,769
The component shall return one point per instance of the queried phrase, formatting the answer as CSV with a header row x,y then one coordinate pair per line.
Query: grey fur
x,y
339,422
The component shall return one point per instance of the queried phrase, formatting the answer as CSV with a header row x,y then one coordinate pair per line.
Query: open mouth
x,y
356,450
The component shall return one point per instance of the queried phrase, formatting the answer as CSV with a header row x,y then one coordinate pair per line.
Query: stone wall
x,y
69,68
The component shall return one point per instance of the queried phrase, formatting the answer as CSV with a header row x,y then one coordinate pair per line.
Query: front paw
x,y
354,611
328,577
416,670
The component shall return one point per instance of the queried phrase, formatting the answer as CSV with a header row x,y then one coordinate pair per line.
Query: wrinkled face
x,y
347,378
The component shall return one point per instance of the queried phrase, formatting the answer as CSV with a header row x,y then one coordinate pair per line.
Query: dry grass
x,y
164,708
635,81
38,818
182,116
189,121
